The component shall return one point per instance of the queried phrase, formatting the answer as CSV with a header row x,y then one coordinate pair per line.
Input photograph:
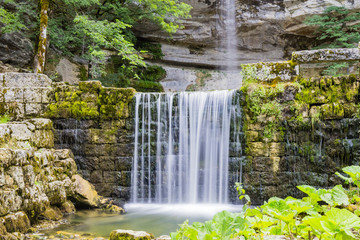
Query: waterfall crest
x,y
181,152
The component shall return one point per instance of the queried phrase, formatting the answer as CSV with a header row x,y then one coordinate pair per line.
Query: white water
x,y
181,150
231,40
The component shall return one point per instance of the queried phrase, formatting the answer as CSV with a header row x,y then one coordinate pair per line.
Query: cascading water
x,y
230,39
182,144
228,42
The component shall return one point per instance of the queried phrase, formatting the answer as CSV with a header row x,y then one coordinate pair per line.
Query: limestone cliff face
x,y
267,30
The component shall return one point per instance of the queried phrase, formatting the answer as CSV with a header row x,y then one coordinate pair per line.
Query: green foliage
x,y
168,13
264,105
335,69
242,194
95,29
338,27
107,35
248,73
153,48
320,215
224,226
354,175
12,22
4,118
143,79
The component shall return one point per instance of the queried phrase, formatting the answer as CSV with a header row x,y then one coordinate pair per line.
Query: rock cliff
x,y
266,30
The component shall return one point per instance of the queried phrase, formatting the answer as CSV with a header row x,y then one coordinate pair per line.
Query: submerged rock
x,y
130,235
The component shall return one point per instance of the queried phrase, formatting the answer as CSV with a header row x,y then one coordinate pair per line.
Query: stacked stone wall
x,y
35,179
96,124
299,131
91,120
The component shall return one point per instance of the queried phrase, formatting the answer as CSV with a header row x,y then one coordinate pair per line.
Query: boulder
x,y
52,213
17,222
85,194
130,235
67,207
68,71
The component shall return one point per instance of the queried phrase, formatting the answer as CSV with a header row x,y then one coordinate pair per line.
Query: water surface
x,y
159,219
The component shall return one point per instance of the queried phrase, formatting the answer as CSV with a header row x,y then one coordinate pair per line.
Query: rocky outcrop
x,y
37,181
266,29
33,183
16,50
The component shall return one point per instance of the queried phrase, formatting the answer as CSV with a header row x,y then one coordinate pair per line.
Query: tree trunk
x,y
40,57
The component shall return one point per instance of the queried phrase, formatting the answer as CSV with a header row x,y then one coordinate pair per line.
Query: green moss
x,y
147,86
153,73
83,73
90,86
81,110
153,48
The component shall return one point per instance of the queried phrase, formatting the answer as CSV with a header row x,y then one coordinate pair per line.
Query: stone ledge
x,y
326,55
25,80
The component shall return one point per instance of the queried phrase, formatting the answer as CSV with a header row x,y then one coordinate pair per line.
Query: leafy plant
x,y
320,215
12,22
242,194
338,27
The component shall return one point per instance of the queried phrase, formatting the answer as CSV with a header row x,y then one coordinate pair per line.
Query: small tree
x,y
41,53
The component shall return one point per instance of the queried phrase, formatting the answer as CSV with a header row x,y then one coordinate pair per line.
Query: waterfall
x,y
181,152
230,40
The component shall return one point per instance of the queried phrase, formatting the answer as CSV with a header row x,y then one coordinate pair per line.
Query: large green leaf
x,y
339,196
278,208
354,173
343,218
298,205
312,192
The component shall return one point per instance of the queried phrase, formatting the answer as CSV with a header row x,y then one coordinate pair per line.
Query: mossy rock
x,y
52,213
90,86
147,86
130,235
332,111
17,222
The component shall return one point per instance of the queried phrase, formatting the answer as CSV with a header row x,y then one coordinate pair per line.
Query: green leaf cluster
x,y
11,21
322,214
96,29
338,27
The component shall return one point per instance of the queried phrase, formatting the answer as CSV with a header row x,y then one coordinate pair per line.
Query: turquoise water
x,y
159,219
